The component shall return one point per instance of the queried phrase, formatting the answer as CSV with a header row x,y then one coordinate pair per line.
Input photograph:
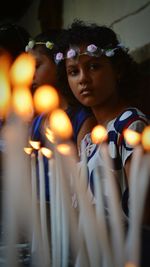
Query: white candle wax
x,y
36,233
139,179
115,215
43,215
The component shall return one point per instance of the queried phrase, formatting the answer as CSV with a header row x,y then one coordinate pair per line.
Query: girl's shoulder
x,y
131,117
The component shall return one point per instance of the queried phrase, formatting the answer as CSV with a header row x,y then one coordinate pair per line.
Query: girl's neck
x,y
104,114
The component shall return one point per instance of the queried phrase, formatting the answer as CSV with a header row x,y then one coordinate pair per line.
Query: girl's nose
x,y
84,77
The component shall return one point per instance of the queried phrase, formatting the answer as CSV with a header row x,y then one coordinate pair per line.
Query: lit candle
x,y
68,159
45,99
88,226
5,92
102,232
60,124
22,102
132,243
99,135
36,235
43,215
22,70
53,219
138,179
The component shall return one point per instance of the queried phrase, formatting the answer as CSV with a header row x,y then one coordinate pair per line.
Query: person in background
x,y
43,47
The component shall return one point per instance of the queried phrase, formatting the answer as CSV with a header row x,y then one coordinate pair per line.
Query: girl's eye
x,y
72,72
94,66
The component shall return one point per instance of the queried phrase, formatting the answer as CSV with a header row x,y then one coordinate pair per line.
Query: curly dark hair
x,y
81,33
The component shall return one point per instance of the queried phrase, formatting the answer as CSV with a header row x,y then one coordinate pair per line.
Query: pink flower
x,y
71,53
91,48
59,56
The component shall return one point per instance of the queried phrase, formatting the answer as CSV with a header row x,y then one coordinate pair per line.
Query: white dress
x,y
119,150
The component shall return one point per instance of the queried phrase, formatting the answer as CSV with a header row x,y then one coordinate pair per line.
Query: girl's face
x,y
92,80
45,71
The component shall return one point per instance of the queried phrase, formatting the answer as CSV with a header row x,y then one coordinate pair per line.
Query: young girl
x,y
97,68
43,48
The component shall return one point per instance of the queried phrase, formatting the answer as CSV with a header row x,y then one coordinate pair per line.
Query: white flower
x,y
31,44
91,48
27,48
110,53
71,53
59,56
49,45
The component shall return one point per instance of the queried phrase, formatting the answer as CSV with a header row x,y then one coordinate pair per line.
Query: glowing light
x,y
60,124
50,135
64,149
5,93
130,264
35,144
99,134
46,152
132,138
22,102
22,70
145,138
28,150
45,99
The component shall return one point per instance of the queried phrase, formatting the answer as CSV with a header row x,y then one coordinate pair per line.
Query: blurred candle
x,y
35,144
5,92
22,102
45,99
145,138
60,124
132,242
64,149
99,135
133,138
50,136
43,214
22,70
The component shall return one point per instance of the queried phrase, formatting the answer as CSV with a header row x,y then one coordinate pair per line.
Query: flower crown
x,y
32,43
91,50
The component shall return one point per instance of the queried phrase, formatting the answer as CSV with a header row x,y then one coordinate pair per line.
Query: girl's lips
x,y
85,92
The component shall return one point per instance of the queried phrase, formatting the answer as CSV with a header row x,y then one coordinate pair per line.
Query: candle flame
x,y
64,149
132,138
28,150
50,135
46,152
5,90
99,134
130,264
22,102
5,93
22,70
35,144
145,138
60,124
45,99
